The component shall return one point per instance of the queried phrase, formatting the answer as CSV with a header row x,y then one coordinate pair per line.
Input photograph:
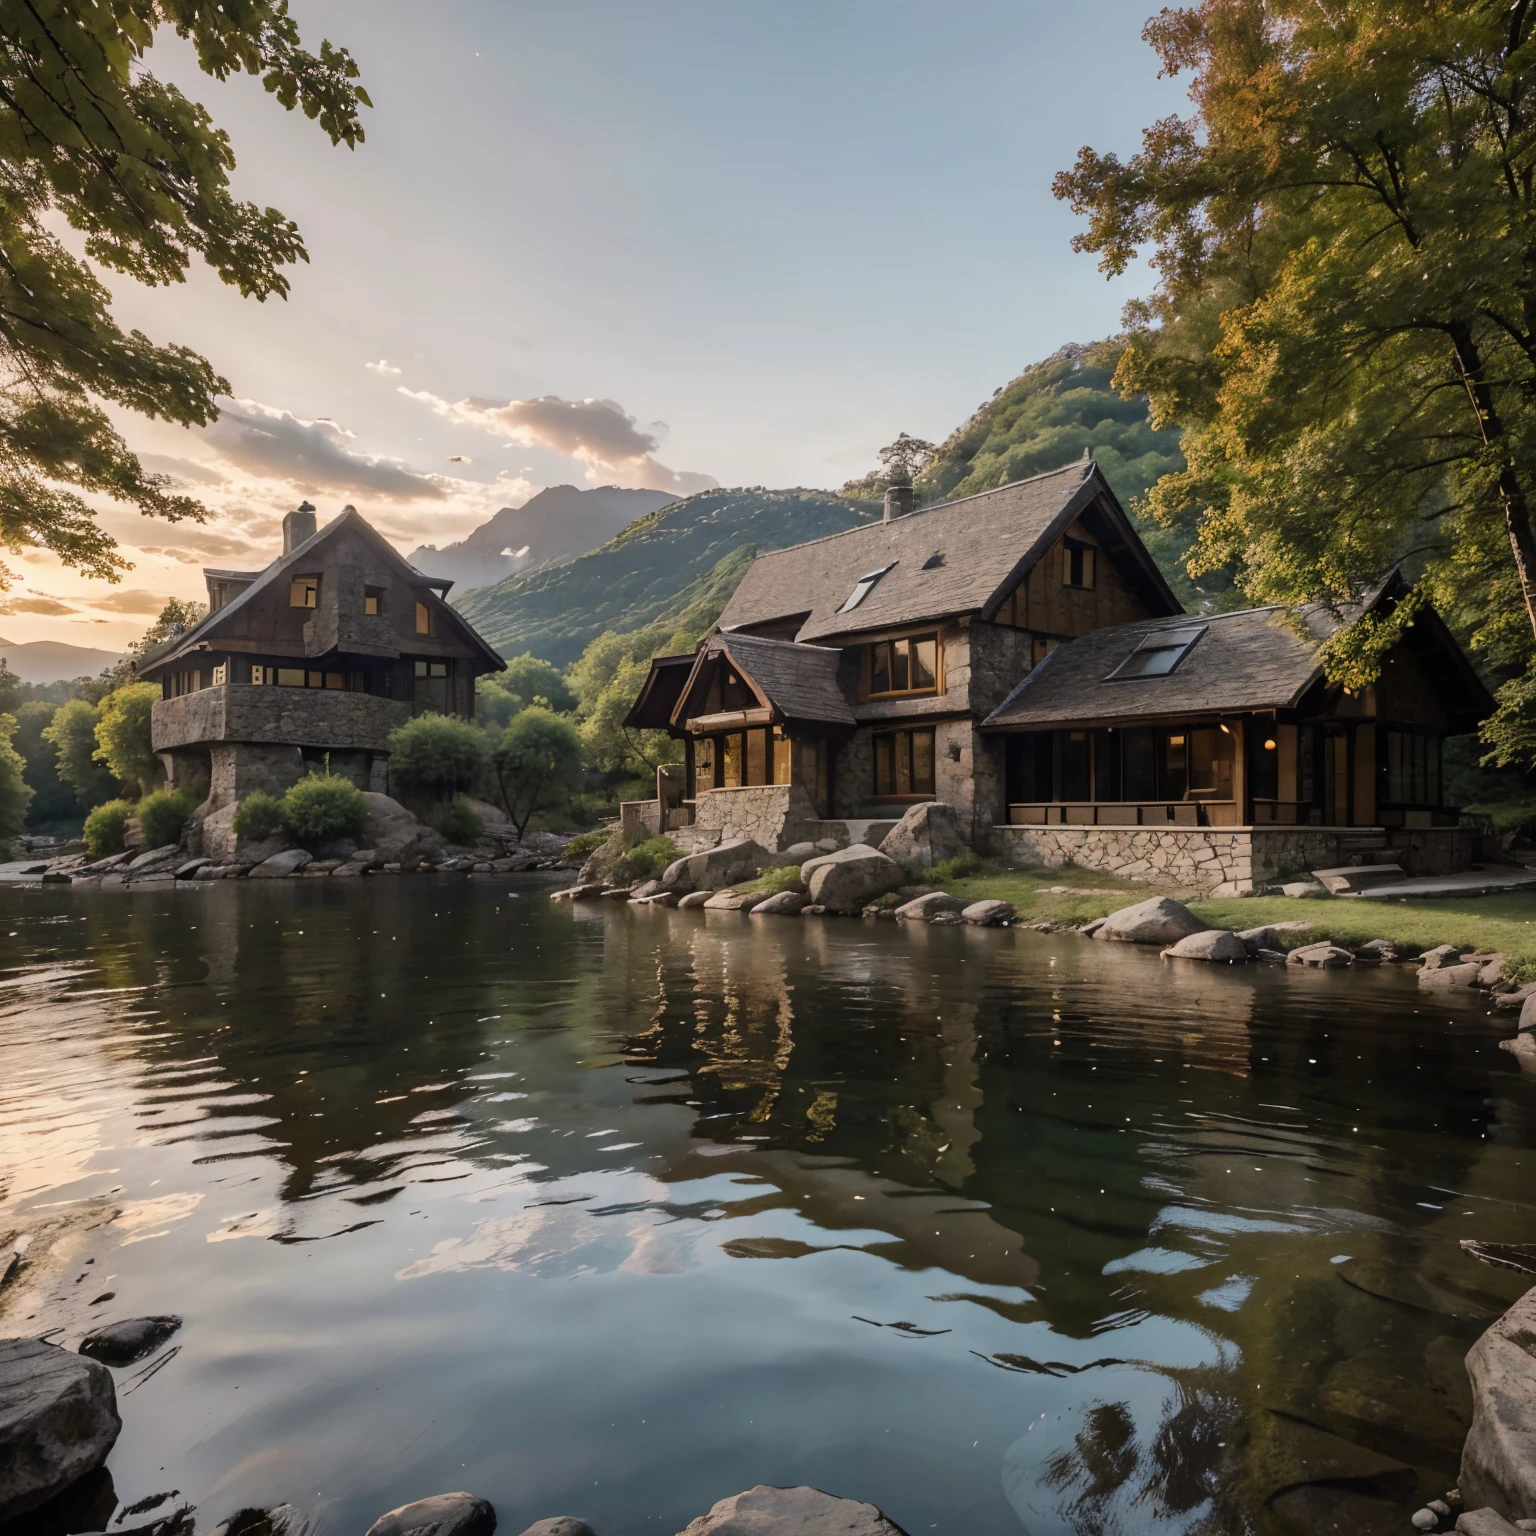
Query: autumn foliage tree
x,y
89,137
1344,232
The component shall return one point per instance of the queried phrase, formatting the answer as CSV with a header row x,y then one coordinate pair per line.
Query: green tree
x,y
529,679
122,736
90,138
15,792
72,735
52,799
537,763
1345,321
437,755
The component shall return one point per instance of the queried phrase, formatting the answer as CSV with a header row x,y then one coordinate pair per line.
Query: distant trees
x,y
72,735
529,679
15,792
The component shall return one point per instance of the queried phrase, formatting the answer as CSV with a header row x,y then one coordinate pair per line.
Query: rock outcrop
x,y
844,881
921,908
1214,944
58,1421
1498,1462
1162,920
1319,957
133,1338
764,1511
716,867
289,862
444,1514
988,914
928,834
395,835
561,1525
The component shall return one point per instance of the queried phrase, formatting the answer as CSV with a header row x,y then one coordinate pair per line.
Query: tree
x,y
90,137
537,763
905,458
1345,322
529,679
53,800
437,755
607,679
122,736
15,793
72,735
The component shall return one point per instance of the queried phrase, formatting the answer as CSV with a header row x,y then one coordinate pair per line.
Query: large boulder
x,y
922,908
1528,1015
764,1511
717,867
1498,1462
289,862
561,1525
928,834
133,1338
988,914
844,881
782,903
444,1514
1162,920
1441,954
1271,935
395,835
1446,978
58,1420
1321,957
1215,944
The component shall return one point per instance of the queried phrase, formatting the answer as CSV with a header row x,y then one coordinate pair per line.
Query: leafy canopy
x,y
1345,322
537,763
437,755
141,174
72,735
122,736
529,679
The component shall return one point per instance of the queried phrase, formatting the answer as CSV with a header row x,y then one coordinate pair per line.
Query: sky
x,y
676,243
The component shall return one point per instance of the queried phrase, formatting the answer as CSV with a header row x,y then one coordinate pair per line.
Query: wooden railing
x,y
1122,813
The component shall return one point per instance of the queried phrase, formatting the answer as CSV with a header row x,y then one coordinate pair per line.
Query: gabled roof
x,y
796,682
1249,660
987,543
280,568
659,693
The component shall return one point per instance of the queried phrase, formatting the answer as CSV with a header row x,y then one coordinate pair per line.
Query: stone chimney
x,y
899,500
300,525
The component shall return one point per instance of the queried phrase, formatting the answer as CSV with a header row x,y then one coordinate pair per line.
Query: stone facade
x,y
299,717
1230,859
772,815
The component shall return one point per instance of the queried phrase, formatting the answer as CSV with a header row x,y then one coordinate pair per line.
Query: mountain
x,y
666,561
557,524
51,661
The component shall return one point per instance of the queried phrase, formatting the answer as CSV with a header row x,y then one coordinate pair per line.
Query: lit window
x,y
261,675
863,587
904,763
1077,562
221,674
1158,653
373,600
431,669
291,677
304,592
909,665
423,619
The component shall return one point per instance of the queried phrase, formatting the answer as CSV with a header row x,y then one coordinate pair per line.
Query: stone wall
x,y
775,815
299,717
1228,860
638,820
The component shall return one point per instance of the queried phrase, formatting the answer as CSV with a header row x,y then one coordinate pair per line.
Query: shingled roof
x,y
799,682
956,557
1241,661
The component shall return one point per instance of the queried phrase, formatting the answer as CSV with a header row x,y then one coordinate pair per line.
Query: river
x,y
613,1211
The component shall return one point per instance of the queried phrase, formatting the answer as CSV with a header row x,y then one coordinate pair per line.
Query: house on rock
x,y
315,659
1018,655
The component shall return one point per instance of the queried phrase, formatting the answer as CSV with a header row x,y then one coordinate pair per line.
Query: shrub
x,y
459,823
122,735
437,755
259,817
105,826
162,815
648,859
583,844
961,867
323,807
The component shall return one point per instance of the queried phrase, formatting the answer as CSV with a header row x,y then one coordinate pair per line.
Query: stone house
x,y
1018,655
315,659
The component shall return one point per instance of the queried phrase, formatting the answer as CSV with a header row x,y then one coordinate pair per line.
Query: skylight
x,y
1158,653
863,587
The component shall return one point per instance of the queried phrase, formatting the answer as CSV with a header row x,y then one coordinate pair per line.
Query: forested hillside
x,y
684,556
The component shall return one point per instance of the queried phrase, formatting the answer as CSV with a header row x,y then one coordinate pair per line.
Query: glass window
x,y
1210,762
922,762
1265,759
757,757
704,764
731,777
1106,766
863,587
781,758
1138,762
1158,653
909,665
904,763
290,677
423,619
1077,564
304,592
260,674
221,673
373,600
1029,767
1173,775
1074,766
335,680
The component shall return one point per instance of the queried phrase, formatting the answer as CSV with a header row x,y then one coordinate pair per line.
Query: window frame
x,y
914,638
890,743
1075,552
864,586
423,618
374,595
1157,640
310,587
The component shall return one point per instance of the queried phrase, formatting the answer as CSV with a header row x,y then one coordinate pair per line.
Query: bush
x,y
122,735
459,823
105,826
648,859
579,847
259,817
322,808
961,867
162,815
437,755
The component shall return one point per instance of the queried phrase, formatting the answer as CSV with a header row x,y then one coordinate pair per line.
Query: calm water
x,y
613,1212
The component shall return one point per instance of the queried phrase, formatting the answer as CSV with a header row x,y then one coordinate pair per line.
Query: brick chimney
x,y
300,525
899,500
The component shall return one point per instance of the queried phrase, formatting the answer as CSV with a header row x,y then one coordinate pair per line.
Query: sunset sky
x,y
671,244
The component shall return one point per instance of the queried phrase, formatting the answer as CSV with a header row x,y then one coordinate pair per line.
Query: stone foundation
x,y
1230,860
775,816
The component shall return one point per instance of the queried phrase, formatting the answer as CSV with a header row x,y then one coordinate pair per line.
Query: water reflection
x,y
1001,1231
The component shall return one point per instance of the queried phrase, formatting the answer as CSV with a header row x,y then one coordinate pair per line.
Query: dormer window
x,y
304,592
863,587
1158,653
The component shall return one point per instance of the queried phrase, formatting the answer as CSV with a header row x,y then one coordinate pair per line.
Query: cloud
x,y
127,600
598,433
314,456
385,367
49,605
184,470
